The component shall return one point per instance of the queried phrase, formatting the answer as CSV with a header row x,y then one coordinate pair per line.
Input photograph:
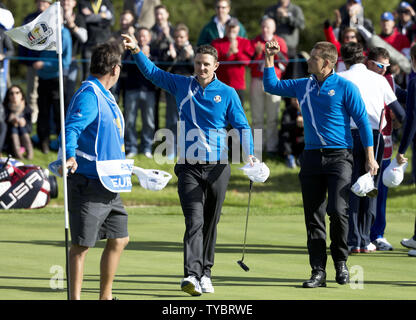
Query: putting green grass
x,y
32,243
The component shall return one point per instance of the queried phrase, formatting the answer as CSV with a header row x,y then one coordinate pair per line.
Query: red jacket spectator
x,y
257,68
233,74
397,40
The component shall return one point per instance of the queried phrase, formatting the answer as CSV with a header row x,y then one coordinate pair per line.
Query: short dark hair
x,y
207,49
104,57
327,51
161,6
352,53
377,52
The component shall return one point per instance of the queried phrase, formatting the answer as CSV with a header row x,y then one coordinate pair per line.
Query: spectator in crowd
x,y
32,79
348,34
162,42
76,25
126,26
181,55
406,22
138,93
409,136
234,53
376,93
3,126
262,103
99,17
351,13
391,35
378,61
18,115
143,11
48,90
291,136
289,22
6,50
215,28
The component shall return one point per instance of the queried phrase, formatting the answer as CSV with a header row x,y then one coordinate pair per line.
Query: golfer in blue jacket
x,y
327,102
206,106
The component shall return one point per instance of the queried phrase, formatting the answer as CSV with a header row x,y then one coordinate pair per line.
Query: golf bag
x,y
25,186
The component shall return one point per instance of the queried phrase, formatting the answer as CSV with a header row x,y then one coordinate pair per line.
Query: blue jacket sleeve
x,y
284,88
410,125
83,112
238,119
157,76
356,108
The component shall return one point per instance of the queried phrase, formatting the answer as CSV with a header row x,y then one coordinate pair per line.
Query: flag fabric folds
x,y
40,34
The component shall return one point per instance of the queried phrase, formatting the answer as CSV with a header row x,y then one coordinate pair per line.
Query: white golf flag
x,y
41,33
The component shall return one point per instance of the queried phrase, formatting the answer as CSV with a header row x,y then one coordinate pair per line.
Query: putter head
x,y
243,265
373,193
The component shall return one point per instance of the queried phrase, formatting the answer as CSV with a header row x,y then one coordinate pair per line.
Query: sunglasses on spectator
x,y
380,65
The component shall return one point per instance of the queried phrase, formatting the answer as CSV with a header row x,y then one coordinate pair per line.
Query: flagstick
x,y
63,144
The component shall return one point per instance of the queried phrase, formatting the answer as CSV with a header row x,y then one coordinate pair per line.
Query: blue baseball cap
x,y
403,6
357,1
386,16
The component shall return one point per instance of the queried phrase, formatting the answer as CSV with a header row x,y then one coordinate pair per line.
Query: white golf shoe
x,y
408,243
382,244
191,286
412,253
206,285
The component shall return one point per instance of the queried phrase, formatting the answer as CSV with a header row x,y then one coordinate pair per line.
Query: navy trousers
x,y
201,189
326,172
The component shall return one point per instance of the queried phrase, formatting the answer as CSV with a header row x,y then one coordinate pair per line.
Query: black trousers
x,y
201,189
326,171
48,101
363,210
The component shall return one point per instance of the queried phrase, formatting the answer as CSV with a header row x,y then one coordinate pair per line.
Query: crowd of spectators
x,y
90,22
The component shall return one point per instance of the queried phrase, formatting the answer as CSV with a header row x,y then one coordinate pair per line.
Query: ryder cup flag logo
x,y
40,33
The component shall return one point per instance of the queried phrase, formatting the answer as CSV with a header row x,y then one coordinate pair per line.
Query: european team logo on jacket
x,y
331,92
39,34
217,98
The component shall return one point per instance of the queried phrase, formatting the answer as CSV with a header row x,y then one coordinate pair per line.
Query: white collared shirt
x,y
375,91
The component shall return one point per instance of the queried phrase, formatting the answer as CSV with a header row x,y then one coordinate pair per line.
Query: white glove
x,y
259,172
364,185
152,179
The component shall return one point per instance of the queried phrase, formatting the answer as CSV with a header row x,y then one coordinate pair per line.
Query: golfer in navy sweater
x,y
206,106
327,103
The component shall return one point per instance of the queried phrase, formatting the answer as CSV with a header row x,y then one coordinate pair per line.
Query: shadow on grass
x,y
170,246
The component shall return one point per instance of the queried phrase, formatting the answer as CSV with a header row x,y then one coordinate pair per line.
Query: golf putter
x,y
241,262
373,193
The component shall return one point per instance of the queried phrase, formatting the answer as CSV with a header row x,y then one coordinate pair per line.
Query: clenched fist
x,y
272,48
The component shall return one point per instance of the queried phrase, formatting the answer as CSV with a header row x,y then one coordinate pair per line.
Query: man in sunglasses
x,y
378,61
376,93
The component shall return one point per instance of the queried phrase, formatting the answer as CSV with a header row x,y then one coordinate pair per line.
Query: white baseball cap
x,y
363,185
152,179
393,175
259,172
